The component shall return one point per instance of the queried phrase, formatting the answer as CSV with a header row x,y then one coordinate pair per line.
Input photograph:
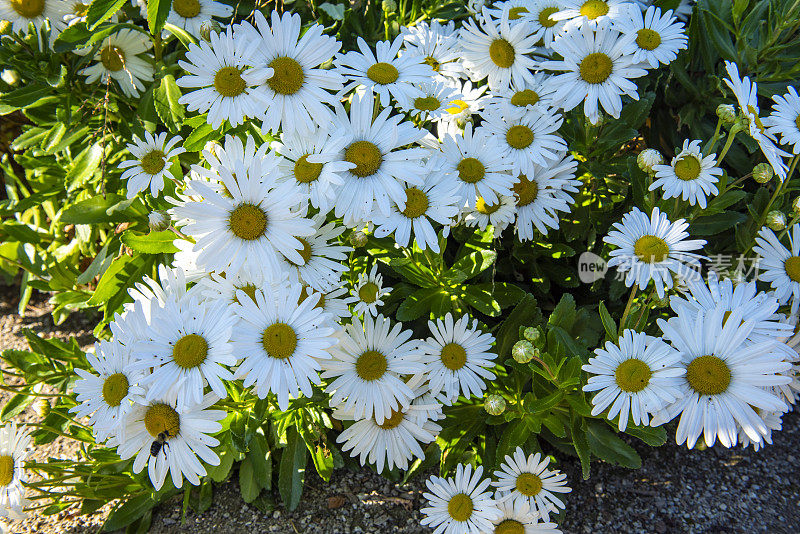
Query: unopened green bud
x,y
776,220
532,334
390,6
42,407
648,158
796,207
358,239
726,113
763,173
207,27
494,404
523,351
158,221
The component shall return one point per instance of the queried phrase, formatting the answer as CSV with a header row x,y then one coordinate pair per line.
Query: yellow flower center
x,y
287,77
596,68
366,156
248,222
187,9
460,507
459,106
433,63
228,82
160,418
792,267
393,421
305,252
112,58
153,162
416,203
305,172
471,170
545,17
487,209
453,356
6,470
519,136
708,375
755,118
509,526
368,292
632,375
502,53
529,484
648,39
525,191
279,340
594,8
427,103
29,9
797,122
687,168
651,249
115,387
371,365
526,97
515,13
304,294
190,351
383,73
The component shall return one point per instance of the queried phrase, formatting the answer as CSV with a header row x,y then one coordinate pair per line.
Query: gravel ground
x,y
714,491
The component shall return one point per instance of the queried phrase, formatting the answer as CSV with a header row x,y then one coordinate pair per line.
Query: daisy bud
x,y
523,351
158,221
649,157
10,76
796,207
763,173
532,334
389,6
726,113
207,27
42,407
776,220
358,239
494,404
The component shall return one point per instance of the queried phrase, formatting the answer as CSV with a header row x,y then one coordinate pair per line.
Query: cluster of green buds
x,y
526,349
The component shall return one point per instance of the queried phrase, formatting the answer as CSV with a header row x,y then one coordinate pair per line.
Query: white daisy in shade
x,y
437,45
187,439
457,358
476,163
226,84
14,450
188,347
684,9
725,378
746,93
460,505
635,376
515,10
652,249
519,518
298,94
472,101
542,24
223,287
383,72
322,256
518,99
282,339
690,175
540,196
368,293
396,441
118,59
76,12
191,14
152,163
433,201
367,367
248,224
526,139
106,397
497,50
331,303
598,69
433,104
528,480
785,118
780,266
593,13
311,160
185,260
22,13
659,37
498,215
381,166
773,422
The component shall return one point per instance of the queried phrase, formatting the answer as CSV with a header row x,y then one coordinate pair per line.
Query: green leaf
x,y
293,469
157,13
482,300
15,406
101,10
261,460
581,445
220,472
607,446
419,303
609,324
112,281
200,136
655,437
513,436
95,210
248,484
152,243
165,98
22,98
183,36
335,11
470,266
84,166
323,462
717,223
526,313
129,512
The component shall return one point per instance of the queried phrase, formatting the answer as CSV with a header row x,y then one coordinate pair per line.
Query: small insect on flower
x,y
159,444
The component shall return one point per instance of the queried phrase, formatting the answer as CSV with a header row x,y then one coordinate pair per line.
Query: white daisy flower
x,y
322,258
282,339
499,215
773,422
526,139
635,377
515,10
187,431
381,166
437,98
460,505
541,20
331,303
528,480
106,397
537,95
599,67
780,266
438,46
223,287
152,163
433,201
477,164
227,84
592,13
457,358
724,378
746,93
191,14
22,13
519,518
384,72
472,101
649,248
541,195
76,12
366,368
785,118
497,50
659,37
690,175
368,292
14,449
118,59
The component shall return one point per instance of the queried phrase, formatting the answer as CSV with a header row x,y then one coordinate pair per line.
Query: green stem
x,y
713,141
731,136
628,308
